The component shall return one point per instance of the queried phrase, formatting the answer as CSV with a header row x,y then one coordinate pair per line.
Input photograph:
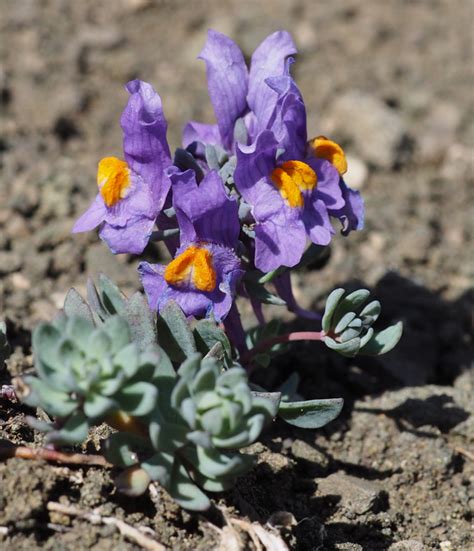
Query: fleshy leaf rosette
x,y
347,325
87,375
204,414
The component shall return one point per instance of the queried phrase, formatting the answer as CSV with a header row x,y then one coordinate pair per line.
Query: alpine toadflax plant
x,y
243,203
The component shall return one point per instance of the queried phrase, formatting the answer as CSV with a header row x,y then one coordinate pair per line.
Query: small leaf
x,y
111,297
98,310
96,407
74,431
311,414
240,131
350,303
141,321
263,295
211,157
121,448
288,388
75,305
138,399
99,344
159,467
331,305
213,463
268,402
384,341
349,348
118,330
220,484
185,492
80,329
344,322
127,359
53,401
174,333
371,312
207,333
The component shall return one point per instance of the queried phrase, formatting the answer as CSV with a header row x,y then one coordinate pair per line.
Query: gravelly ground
x,y
393,82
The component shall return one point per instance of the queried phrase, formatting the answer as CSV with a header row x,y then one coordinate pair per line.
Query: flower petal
x,y
328,188
227,79
207,209
317,222
278,243
268,60
145,146
207,134
131,238
288,120
93,216
254,165
351,215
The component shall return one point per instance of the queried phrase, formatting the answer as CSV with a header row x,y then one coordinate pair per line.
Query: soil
x,y
390,80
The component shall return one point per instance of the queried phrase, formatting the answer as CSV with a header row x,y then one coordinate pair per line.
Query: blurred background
x,y
392,81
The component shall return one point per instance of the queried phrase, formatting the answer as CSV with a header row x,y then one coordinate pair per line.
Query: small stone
x,y
302,450
19,281
443,120
357,495
10,261
407,545
357,173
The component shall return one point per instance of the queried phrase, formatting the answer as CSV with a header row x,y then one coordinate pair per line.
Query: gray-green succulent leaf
x,y
347,326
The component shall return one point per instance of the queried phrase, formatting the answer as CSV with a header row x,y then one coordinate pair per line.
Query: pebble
x,y
443,120
10,261
357,172
358,495
407,545
302,450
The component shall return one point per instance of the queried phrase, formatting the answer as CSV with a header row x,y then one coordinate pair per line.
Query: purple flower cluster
x,y
247,193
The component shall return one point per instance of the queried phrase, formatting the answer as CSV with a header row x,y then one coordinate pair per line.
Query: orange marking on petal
x,y
293,177
194,265
324,148
113,179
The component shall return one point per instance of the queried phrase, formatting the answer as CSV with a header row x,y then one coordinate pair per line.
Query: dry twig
x,y
125,529
9,450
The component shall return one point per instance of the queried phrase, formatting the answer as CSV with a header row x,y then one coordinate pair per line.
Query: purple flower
x,y
203,275
235,91
132,192
289,199
351,215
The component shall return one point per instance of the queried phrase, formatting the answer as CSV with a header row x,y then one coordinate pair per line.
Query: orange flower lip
x,y
292,178
194,266
324,148
113,179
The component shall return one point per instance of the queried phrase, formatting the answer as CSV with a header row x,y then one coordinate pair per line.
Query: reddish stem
x,y
281,339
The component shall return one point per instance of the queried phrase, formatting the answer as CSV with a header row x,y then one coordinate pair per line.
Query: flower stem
x,y
281,339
